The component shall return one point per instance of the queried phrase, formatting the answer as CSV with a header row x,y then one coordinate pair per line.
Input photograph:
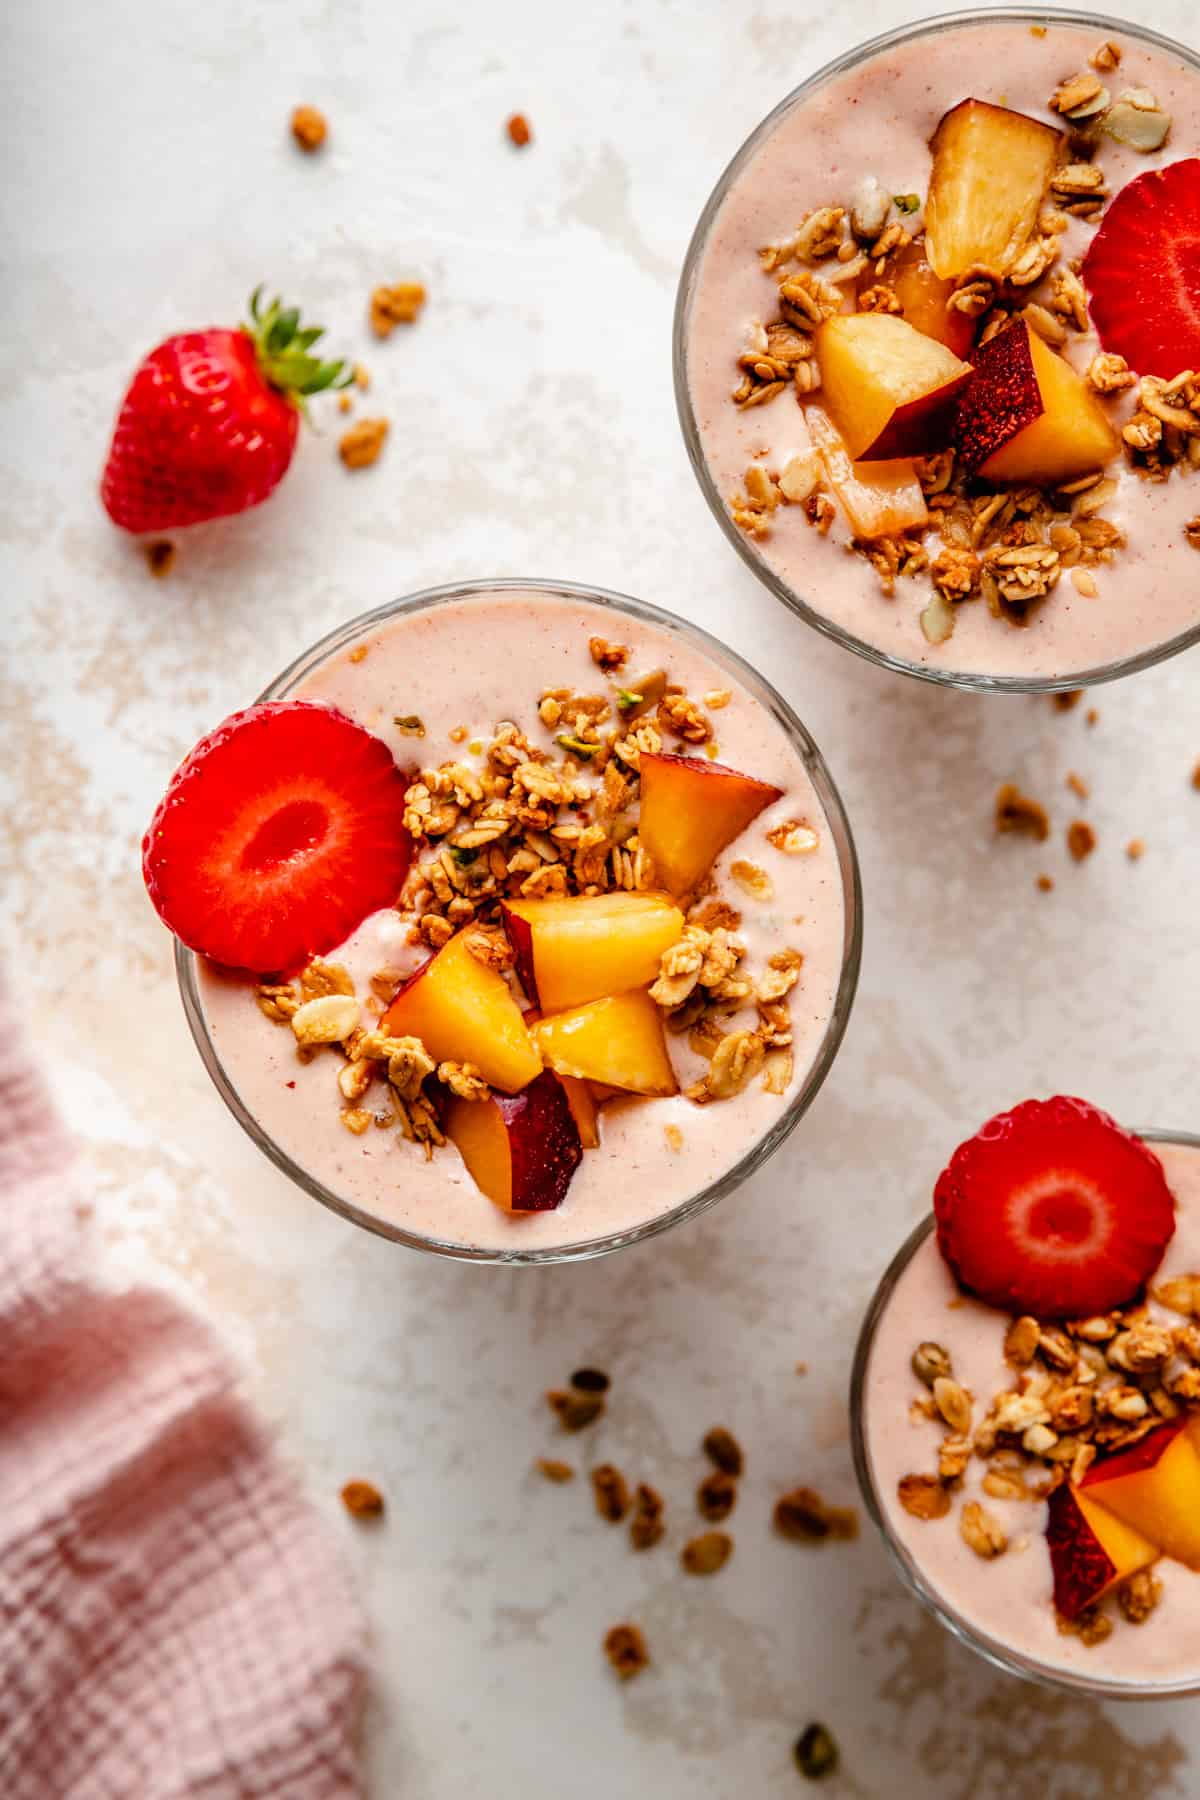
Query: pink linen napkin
x,y
172,1620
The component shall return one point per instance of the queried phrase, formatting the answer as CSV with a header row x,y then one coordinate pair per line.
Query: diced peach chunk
x,y
1091,1550
1070,436
463,1011
1155,1487
521,1149
582,947
618,1041
924,300
584,1110
990,171
879,499
890,390
691,809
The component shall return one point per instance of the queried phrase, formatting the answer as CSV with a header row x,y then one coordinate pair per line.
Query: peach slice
x,y
582,947
879,499
1091,1550
690,811
891,390
521,1149
1028,417
990,171
1155,1487
924,298
584,1110
618,1041
463,1011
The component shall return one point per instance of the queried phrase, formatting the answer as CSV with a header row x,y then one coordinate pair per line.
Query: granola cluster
x,y
1080,1389
1010,548
519,820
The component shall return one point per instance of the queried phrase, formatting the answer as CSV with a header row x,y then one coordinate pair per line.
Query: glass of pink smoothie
x,y
857,135
1003,1608
462,660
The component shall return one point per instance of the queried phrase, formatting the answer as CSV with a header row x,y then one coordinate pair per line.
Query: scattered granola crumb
x,y
606,656
1138,1597
1135,849
591,1381
397,305
802,1368
982,1532
611,1492
625,1648
816,1752
1084,583
409,724
1015,811
716,1496
518,130
923,1496
674,1138
1081,839
554,1470
359,653
1091,1627
362,379
1045,884
345,403
646,1526
1191,532
309,128
160,555
723,1450
363,1499
1196,777
705,1554
1091,716
795,837
803,1517
1077,784
931,1362
717,699
1037,31
1106,58
360,446
1066,702
574,1411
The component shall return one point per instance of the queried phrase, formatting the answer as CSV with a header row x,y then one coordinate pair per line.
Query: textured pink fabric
x,y
172,1621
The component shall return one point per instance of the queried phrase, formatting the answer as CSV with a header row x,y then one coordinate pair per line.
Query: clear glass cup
x,y
804,605
344,636
1001,1655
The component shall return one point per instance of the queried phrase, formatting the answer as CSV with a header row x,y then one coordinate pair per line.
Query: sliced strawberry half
x,y
1142,271
279,834
1052,1209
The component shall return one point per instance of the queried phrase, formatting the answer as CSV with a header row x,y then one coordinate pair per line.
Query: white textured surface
x,y
150,183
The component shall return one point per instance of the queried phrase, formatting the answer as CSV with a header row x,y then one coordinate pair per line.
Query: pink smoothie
x,y
876,120
473,663
1009,1599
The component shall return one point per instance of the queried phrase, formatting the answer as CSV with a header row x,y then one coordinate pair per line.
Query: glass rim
x,y
802,743
995,1651
973,681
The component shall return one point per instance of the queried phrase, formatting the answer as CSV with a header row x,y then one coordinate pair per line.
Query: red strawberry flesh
x,y
279,834
200,435
1052,1209
1142,271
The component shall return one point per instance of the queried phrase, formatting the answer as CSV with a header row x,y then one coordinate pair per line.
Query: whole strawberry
x,y
209,422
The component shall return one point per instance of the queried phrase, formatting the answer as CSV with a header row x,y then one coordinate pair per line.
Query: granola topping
x,y
1009,547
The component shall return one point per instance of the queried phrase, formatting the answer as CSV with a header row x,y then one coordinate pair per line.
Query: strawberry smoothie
x,y
1005,1606
462,665
865,127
